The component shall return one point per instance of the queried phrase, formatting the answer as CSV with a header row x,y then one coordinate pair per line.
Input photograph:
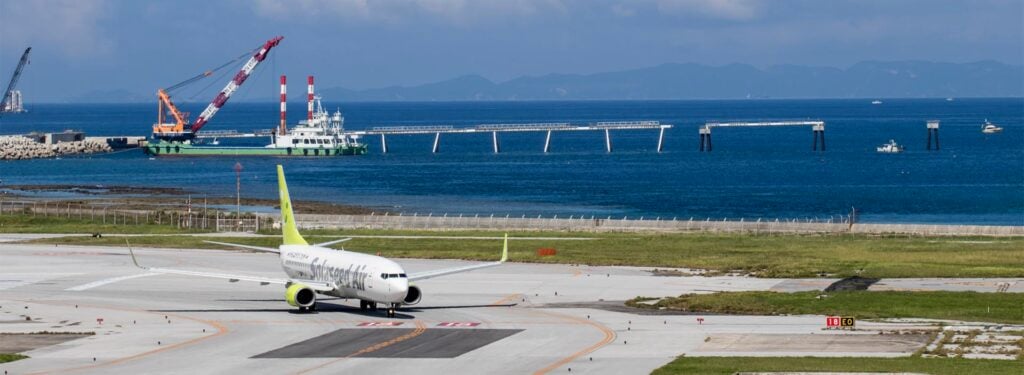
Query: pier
x,y
933,128
817,127
548,127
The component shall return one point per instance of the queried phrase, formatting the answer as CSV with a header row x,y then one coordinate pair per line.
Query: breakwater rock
x,y
18,147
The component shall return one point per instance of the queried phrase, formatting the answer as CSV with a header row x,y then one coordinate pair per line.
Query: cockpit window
x,y
402,275
384,276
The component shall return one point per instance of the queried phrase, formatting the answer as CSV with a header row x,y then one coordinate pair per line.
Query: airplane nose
x,y
399,288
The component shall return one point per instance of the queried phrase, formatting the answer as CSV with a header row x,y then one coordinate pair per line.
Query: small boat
x,y
990,128
890,148
876,102
949,99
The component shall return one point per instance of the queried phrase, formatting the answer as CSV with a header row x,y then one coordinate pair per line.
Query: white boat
x,y
323,133
990,128
890,148
949,99
876,102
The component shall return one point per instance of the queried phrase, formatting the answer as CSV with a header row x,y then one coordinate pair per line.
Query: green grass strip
x,y
934,366
966,306
777,256
7,357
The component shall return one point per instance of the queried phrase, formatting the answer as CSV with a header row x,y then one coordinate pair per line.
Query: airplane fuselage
x,y
354,275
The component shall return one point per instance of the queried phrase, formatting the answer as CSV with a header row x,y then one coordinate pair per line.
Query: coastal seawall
x,y
19,148
585,224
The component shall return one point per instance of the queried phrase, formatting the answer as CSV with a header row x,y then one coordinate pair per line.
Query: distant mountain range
x,y
869,79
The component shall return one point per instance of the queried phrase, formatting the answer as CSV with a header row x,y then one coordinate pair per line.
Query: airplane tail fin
x,y
504,250
289,233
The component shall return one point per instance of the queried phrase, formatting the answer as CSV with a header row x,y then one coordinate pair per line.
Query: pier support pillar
x,y
497,146
383,144
705,138
819,132
547,142
661,138
608,140
933,127
437,141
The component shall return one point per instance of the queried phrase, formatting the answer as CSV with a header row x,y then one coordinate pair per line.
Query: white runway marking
x,y
103,282
15,280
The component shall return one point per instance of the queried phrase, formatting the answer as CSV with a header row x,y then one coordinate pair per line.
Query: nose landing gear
x,y
391,310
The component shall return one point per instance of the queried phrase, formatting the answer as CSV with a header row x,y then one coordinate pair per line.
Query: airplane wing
x,y
249,247
319,286
449,271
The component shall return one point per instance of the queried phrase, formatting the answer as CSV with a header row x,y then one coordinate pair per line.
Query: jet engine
x,y
300,296
413,296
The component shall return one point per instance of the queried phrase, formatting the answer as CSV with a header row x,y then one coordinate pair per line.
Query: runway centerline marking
x,y
99,283
505,299
609,336
420,328
221,330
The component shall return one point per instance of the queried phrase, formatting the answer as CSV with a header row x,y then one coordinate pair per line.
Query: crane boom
x,y
235,83
14,79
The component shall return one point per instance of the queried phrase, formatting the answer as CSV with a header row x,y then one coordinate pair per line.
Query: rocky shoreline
x,y
22,148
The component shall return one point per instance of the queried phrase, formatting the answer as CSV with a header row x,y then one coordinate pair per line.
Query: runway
x,y
513,319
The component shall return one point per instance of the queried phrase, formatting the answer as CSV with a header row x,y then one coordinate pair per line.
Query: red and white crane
x,y
181,129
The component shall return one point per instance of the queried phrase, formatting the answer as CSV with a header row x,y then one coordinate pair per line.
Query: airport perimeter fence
x,y
214,221
595,224
219,221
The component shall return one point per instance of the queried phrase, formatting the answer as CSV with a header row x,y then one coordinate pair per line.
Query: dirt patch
x,y
23,342
851,283
818,343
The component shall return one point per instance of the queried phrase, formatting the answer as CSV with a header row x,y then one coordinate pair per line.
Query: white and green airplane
x,y
316,269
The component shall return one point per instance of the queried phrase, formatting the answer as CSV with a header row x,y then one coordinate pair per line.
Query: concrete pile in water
x,y
18,147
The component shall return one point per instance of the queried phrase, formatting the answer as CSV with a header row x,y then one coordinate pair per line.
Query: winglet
x,y
504,250
132,253
289,233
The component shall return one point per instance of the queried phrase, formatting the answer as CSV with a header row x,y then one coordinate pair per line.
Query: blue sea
x,y
752,173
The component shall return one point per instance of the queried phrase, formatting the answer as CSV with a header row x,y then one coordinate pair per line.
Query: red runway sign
x,y
458,324
839,321
379,324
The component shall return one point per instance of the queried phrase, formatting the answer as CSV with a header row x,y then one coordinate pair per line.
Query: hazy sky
x,y
85,45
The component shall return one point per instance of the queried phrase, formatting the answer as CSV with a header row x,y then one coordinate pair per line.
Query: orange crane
x,y
182,129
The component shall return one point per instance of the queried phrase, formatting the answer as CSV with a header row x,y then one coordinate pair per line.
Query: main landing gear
x,y
311,308
367,305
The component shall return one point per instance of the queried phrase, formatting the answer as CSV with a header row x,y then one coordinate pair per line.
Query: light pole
x,y
238,191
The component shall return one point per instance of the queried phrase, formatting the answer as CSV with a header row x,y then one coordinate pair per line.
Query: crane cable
x,y
209,72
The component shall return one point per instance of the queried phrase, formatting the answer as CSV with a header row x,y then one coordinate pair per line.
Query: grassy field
x,y
5,357
934,366
762,255
969,306
41,224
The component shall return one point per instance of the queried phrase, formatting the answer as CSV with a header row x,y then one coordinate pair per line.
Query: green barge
x,y
164,148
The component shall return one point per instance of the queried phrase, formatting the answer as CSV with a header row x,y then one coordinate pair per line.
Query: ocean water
x,y
752,173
